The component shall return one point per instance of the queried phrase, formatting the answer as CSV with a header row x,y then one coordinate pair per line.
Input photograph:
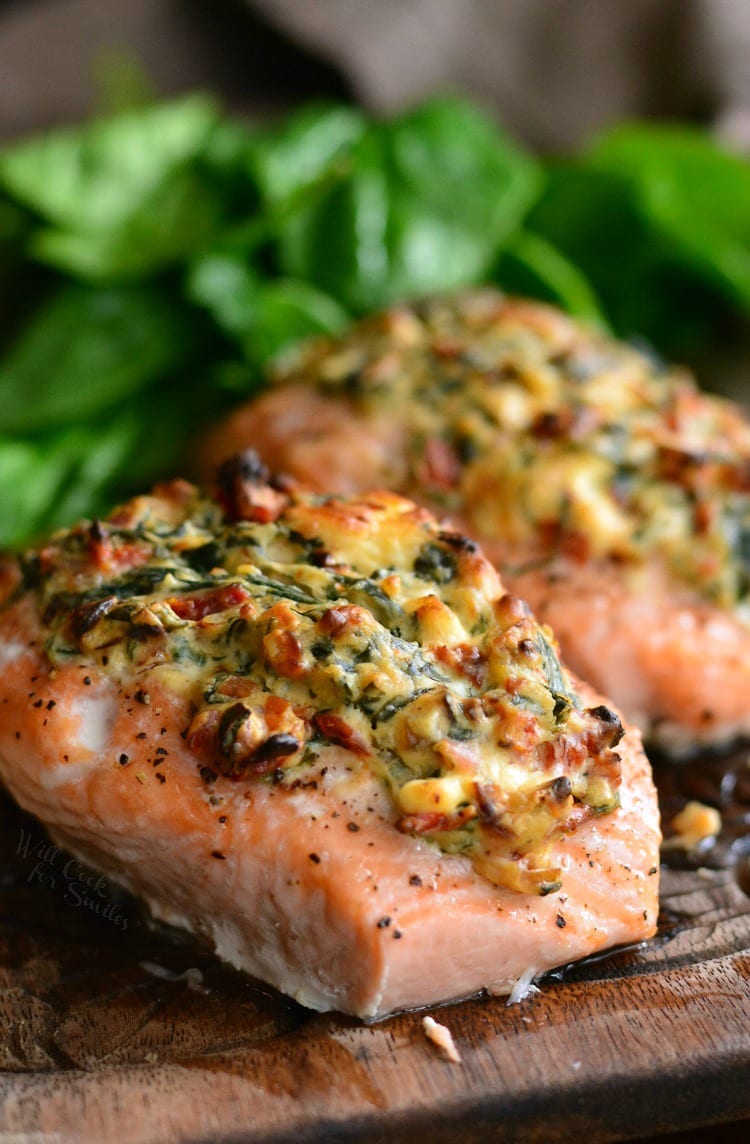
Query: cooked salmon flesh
x,y
319,733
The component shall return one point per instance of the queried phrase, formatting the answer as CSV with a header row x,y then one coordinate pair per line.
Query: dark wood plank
x,y
607,1060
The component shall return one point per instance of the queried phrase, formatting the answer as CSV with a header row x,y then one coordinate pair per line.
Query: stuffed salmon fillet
x,y
319,733
613,495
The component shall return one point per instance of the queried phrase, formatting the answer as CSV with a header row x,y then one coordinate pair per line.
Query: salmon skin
x,y
612,494
318,732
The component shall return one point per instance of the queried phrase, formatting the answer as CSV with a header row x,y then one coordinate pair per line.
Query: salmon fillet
x,y
613,495
319,733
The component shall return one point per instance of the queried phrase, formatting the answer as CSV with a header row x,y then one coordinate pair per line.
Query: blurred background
x,y
553,70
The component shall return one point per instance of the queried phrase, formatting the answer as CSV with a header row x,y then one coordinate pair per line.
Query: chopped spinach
x,y
553,673
371,596
436,563
285,589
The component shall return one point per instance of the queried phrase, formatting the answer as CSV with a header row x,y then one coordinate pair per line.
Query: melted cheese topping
x,y
550,438
289,621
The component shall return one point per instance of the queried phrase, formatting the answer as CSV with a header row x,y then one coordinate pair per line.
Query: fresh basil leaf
x,y
288,312
163,444
12,222
692,192
12,228
124,196
263,317
594,218
455,159
85,350
337,237
54,479
98,454
679,162
31,473
227,287
92,179
180,219
591,216
531,265
57,478
291,158
424,203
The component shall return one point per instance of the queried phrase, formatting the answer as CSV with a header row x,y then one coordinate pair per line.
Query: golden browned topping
x,y
550,438
289,621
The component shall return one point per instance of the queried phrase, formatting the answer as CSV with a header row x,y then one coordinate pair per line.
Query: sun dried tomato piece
x,y
209,603
440,467
333,727
244,493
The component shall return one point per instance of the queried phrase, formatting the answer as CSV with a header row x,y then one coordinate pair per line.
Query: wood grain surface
x,y
112,1029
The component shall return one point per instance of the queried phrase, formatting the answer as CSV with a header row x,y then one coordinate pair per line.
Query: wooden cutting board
x,y
111,1029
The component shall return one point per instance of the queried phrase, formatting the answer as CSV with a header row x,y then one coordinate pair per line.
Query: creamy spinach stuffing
x,y
549,438
291,622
